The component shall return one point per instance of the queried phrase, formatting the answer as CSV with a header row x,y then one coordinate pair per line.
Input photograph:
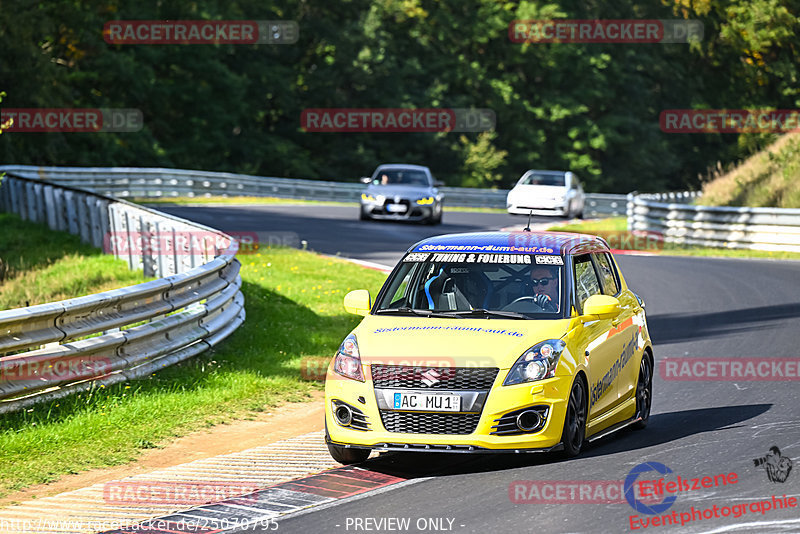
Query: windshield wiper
x,y
482,312
413,311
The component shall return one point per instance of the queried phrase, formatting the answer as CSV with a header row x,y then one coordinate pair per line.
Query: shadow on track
x,y
676,328
663,428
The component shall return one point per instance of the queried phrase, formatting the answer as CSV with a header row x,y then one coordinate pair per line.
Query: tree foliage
x,y
591,108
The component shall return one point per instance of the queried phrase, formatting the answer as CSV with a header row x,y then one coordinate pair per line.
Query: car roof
x,y
545,172
402,166
520,242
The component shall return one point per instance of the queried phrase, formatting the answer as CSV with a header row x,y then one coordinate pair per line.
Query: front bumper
x,y
500,400
525,210
413,211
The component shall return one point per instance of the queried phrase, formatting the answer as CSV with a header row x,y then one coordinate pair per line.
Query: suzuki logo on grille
x,y
431,377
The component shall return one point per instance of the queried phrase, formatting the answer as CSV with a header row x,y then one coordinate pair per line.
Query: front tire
x,y
575,421
346,456
644,392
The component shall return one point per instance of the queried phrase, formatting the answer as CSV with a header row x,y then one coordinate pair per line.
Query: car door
x,y
624,327
601,350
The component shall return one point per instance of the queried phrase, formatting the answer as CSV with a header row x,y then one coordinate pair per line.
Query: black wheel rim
x,y
644,387
576,416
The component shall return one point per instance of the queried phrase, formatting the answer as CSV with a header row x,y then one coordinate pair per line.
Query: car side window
x,y
586,282
608,274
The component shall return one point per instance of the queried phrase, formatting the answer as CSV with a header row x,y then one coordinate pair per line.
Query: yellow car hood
x,y
439,342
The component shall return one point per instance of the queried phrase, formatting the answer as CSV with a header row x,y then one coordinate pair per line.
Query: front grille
x,y
406,376
430,423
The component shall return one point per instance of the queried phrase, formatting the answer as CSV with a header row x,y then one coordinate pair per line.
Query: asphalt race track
x,y
696,308
337,229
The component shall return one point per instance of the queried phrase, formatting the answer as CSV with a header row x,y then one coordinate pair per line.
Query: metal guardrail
x,y
52,350
770,229
127,182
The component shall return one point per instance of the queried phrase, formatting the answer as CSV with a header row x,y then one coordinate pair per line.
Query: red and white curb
x,y
262,508
275,479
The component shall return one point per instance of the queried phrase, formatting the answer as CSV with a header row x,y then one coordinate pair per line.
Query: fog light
x,y
528,420
343,414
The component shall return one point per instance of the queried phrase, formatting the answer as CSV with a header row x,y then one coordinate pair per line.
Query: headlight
x,y
426,200
536,363
367,198
348,361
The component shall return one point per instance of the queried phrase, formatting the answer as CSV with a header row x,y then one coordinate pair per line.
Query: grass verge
x,y
39,265
767,178
294,313
615,232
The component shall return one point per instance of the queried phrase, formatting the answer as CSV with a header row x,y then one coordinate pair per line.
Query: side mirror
x,y
600,307
358,302
438,183
365,179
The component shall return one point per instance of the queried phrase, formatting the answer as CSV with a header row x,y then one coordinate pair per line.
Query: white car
x,y
547,193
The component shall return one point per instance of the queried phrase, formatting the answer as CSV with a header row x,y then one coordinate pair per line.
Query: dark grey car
x,y
400,192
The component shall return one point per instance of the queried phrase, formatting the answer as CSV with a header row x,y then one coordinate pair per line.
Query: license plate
x,y
396,208
426,402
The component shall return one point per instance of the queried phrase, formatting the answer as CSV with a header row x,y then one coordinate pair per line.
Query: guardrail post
x,y
28,208
4,193
83,218
629,211
50,206
14,196
72,212
37,214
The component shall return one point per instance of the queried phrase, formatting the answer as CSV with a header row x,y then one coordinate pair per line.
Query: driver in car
x,y
544,283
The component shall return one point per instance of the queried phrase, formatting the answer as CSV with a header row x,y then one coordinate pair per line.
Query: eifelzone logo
x,y
777,466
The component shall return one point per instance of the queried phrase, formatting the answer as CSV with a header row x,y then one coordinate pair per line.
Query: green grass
x,y
294,310
39,265
615,231
768,178
218,200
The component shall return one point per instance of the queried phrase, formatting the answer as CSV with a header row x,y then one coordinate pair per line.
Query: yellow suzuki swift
x,y
491,342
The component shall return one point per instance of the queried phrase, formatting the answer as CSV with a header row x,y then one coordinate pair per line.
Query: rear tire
x,y
346,456
644,392
574,432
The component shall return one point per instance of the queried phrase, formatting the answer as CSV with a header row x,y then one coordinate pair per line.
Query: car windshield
x,y
517,286
401,177
543,179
